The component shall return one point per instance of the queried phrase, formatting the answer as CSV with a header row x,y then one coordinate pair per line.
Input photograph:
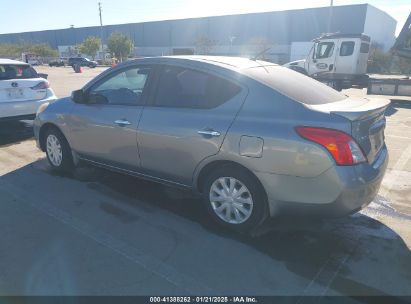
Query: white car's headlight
x,y
42,108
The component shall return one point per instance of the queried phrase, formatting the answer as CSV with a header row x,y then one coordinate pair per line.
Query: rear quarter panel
x,y
273,117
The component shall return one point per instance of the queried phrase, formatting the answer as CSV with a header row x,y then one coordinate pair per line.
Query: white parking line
x,y
398,167
321,282
155,266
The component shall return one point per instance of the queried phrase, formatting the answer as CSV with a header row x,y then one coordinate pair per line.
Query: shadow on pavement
x,y
354,256
14,132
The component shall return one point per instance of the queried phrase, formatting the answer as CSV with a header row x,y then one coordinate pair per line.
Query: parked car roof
x,y
9,61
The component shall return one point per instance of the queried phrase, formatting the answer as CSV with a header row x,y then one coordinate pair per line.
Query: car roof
x,y
232,63
9,61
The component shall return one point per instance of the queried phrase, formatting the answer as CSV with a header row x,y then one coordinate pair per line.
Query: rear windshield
x,y
295,85
9,71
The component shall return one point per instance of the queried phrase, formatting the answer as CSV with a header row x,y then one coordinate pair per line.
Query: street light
x,y
330,16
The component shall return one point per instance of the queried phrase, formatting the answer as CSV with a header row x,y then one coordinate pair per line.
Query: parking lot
x,y
101,233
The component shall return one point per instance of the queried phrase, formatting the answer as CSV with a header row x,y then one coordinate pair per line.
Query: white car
x,y
22,90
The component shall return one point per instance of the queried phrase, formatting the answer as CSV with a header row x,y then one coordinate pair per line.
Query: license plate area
x,y
15,93
377,141
376,135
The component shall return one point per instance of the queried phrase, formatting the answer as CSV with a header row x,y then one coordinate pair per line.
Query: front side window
x,y
347,48
323,50
185,88
124,88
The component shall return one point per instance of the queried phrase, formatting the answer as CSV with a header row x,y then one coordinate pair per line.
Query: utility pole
x,y
330,16
101,30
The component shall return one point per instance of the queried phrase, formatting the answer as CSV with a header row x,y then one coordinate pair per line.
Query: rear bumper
x,y
17,109
18,118
337,192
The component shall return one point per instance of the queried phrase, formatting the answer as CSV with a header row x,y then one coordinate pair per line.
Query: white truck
x,y
339,60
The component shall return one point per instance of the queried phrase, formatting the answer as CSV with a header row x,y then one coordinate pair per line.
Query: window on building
x,y
185,88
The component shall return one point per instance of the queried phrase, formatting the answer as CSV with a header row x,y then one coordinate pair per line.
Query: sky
x,y
29,15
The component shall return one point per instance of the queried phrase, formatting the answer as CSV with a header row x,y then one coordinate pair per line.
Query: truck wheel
x,y
299,70
335,84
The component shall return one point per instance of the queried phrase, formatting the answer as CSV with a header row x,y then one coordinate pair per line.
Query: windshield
x,y
323,49
9,71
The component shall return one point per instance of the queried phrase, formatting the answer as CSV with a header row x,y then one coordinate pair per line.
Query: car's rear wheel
x,y
235,199
58,151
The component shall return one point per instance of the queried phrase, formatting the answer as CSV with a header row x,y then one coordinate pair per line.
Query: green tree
x,y
120,45
258,46
42,50
90,46
10,50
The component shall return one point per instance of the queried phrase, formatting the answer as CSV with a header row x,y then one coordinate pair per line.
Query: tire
x,y
299,70
58,151
335,84
248,216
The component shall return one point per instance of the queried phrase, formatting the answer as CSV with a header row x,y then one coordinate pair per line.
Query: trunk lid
x,y
12,90
367,118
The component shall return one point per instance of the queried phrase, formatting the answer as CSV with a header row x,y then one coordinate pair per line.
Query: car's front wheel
x,y
58,151
235,199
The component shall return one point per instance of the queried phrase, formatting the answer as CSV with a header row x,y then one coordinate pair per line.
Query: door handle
x,y
122,122
209,133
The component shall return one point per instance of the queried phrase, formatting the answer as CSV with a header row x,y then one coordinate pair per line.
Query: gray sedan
x,y
256,140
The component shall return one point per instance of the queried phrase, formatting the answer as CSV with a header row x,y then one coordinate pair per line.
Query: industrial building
x,y
243,34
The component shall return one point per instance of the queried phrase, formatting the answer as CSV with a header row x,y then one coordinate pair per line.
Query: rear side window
x,y
185,88
295,85
365,48
9,71
347,48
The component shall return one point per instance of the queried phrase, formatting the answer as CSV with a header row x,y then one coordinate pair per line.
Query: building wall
x,y
380,27
251,31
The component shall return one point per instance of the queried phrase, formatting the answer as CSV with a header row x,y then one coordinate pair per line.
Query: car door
x,y
323,59
346,60
186,121
104,129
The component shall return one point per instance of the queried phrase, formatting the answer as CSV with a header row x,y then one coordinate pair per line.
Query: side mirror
x,y
78,96
42,75
96,98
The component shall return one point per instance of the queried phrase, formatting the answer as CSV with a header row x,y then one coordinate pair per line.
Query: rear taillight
x,y
341,146
41,86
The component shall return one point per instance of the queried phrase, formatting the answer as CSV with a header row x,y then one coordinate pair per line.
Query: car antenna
x,y
260,54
